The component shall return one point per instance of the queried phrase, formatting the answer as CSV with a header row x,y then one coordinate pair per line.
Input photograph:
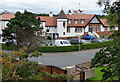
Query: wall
x,y
72,32
3,24
60,28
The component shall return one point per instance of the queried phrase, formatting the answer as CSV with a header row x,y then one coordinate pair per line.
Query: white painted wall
x,y
86,29
3,24
102,28
73,33
52,29
60,28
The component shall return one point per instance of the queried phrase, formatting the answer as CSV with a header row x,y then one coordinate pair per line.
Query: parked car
x,y
75,41
60,42
83,41
106,40
89,37
96,40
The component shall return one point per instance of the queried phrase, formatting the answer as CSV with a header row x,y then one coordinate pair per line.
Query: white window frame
x,y
69,21
82,21
76,21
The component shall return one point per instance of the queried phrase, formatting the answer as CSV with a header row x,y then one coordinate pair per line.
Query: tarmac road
x,y
65,59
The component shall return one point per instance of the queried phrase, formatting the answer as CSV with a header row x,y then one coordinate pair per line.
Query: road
x,y
65,59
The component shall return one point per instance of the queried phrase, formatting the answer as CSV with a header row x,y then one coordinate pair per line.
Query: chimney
x,y
69,12
50,14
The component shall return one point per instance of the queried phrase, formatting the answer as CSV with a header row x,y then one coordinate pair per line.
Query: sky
x,y
45,6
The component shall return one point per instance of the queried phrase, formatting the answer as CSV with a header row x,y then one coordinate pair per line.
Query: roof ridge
x,y
62,15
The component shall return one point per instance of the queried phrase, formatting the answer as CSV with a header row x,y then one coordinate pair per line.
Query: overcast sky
x,y
45,6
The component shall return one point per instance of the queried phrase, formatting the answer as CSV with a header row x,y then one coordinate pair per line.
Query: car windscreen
x,y
65,42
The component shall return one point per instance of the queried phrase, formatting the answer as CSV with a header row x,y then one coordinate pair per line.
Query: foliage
x,y
98,74
101,16
15,66
110,56
23,31
73,47
66,48
113,11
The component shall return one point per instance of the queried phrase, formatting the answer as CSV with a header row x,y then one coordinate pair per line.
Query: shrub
x,y
66,48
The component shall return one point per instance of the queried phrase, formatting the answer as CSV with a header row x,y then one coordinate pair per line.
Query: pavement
x,y
69,53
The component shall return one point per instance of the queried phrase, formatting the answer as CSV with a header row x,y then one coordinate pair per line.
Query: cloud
x,y
45,6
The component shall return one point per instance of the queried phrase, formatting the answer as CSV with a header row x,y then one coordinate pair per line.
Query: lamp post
x,y
79,41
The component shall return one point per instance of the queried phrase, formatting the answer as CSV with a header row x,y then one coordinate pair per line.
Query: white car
x,y
60,42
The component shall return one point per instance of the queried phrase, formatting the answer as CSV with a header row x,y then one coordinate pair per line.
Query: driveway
x,y
65,59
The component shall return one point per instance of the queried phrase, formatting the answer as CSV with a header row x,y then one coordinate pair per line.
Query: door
x,y
90,29
53,35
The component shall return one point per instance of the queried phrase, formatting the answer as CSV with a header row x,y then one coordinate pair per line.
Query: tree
x,y
110,56
24,30
15,66
112,9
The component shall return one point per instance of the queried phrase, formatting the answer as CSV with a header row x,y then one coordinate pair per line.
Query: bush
x,y
66,48
74,47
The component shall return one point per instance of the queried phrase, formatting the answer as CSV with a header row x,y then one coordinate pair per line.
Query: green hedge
x,y
66,48
74,47
5,47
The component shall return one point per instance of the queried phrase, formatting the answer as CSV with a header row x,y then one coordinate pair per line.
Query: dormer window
x,y
76,21
69,21
82,21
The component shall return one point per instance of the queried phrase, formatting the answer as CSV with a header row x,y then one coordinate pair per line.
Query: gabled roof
x,y
49,21
85,17
61,15
104,21
7,16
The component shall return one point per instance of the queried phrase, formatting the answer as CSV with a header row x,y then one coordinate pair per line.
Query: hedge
x,y
74,47
66,48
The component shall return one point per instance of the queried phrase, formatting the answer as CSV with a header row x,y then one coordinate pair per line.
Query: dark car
x,y
96,40
75,41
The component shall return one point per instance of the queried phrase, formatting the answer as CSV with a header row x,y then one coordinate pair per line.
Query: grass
x,y
98,74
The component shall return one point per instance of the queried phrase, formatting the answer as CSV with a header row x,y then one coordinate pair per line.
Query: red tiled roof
x,y
52,21
86,17
7,16
49,21
104,21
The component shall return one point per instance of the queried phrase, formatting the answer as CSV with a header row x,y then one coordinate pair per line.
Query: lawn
x,y
98,74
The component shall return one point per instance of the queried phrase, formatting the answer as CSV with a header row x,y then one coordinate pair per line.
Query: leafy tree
x,y
24,31
15,66
110,56
112,9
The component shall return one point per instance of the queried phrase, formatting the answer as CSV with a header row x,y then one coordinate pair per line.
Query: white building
x,y
74,24
68,25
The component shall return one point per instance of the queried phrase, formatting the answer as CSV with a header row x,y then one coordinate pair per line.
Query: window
x,y
63,33
98,28
105,28
68,29
69,21
94,28
82,21
64,24
78,29
76,21
113,28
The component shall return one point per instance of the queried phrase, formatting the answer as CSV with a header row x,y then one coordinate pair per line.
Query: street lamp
x,y
79,41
